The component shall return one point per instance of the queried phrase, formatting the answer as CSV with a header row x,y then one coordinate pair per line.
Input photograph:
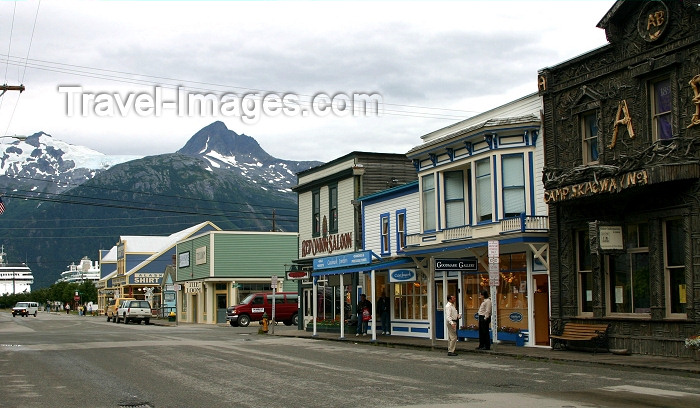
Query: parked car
x,y
25,309
134,310
256,304
112,307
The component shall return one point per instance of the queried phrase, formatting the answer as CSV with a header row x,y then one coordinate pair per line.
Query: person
x,y
67,308
384,308
484,322
89,309
363,305
452,317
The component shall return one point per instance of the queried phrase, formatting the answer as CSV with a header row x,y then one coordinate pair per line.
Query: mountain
x,y
224,149
41,163
218,176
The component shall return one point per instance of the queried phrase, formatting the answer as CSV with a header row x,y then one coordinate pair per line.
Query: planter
x,y
517,338
331,329
467,334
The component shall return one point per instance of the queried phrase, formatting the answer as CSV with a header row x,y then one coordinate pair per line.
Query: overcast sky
x,y
432,64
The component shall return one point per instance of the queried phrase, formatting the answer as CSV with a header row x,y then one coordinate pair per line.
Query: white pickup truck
x,y
134,310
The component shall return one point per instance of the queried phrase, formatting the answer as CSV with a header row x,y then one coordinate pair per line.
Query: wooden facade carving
x,y
648,177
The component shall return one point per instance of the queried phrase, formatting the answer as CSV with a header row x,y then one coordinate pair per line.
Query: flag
x,y
2,206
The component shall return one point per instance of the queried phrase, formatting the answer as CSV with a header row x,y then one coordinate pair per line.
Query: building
x,y
135,266
622,178
482,210
217,269
330,225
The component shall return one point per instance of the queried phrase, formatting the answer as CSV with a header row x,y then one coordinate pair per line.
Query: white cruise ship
x,y
87,270
14,277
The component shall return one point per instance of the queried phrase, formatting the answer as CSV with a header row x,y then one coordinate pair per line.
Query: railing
x,y
522,224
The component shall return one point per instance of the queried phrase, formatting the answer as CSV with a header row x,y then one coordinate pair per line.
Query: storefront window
x,y
411,299
628,274
674,243
585,272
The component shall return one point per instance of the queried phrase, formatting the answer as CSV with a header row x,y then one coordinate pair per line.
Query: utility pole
x,y
274,227
4,88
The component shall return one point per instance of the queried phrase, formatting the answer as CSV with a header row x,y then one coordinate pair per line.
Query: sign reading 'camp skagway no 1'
x,y
606,185
459,264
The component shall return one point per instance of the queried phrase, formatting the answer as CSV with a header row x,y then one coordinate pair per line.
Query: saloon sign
x,y
327,244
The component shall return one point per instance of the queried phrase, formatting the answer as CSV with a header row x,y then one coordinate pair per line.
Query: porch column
x,y
315,305
342,308
373,275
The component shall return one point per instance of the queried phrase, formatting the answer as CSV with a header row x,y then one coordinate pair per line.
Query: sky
x,y
115,75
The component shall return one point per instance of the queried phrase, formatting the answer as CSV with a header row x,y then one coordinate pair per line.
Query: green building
x,y
217,269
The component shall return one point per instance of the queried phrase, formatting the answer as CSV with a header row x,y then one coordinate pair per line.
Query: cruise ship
x,y
87,270
14,277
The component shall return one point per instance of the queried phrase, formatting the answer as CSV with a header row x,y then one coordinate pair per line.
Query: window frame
x,y
583,271
316,213
654,113
428,203
400,230
333,208
384,234
590,142
668,268
449,202
513,187
631,249
483,180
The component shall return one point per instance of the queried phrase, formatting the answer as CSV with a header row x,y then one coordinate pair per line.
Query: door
x,y
541,312
442,290
221,308
308,305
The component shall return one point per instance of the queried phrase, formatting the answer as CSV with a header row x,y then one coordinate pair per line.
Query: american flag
x,y
2,206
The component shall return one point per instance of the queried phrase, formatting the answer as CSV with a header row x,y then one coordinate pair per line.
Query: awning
x,y
362,268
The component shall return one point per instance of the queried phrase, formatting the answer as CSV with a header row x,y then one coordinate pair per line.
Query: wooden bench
x,y
596,333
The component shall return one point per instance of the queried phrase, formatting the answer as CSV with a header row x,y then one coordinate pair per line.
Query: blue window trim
x,y
503,189
531,165
385,250
398,238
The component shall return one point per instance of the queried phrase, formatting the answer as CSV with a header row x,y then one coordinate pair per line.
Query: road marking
x,y
648,391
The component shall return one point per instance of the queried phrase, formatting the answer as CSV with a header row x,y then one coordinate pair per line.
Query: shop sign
x,y
589,188
515,317
326,244
295,275
402,275
193,287
184,259
460,264
339,261
610,237
146,278
200,256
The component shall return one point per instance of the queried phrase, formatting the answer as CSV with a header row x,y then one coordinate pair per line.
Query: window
x,y
400,230
411,299
585,273
454,199
661,109
333,208
589,123
384,225
674,250
428,202
513,185
316,213
628,274
483,190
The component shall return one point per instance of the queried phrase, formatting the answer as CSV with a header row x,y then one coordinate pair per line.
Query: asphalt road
x,y
55,360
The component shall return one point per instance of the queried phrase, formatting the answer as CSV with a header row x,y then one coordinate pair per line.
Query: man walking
x,y
484,322
451,316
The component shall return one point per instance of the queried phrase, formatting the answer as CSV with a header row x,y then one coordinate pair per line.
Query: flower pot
x,y
467,334
517,338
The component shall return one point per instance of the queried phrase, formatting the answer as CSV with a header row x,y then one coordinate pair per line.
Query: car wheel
x,y
126,321
295,319
243,320
34,314
146,321
108,319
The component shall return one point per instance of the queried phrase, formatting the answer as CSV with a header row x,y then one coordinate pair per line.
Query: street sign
x,y
493,249
273,282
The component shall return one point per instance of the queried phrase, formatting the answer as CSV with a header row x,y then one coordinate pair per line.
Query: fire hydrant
x,y
264,323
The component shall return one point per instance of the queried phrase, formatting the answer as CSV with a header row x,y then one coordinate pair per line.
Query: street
x,y
57,360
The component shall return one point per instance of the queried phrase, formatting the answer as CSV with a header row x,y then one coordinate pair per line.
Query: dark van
x,y
256,304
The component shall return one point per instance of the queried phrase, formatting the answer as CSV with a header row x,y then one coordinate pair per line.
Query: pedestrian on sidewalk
x,y
67,308
484,322
452,317
384,308
364,315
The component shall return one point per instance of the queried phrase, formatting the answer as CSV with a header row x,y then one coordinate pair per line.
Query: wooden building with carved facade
x,y
622,179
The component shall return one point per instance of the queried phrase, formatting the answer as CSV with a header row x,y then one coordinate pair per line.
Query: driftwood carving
x,y
695,83
621,120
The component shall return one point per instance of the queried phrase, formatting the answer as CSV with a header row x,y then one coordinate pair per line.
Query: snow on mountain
x,y
50,164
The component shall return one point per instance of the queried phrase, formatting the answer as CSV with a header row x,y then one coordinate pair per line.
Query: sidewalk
x,y
680,365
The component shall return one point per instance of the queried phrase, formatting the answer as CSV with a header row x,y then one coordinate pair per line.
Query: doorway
x,y
442,290
221,308
541,309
